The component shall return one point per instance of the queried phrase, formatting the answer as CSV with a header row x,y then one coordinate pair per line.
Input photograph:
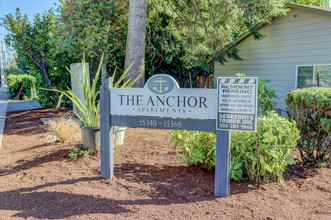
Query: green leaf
x,y
268,137
236,166
252,157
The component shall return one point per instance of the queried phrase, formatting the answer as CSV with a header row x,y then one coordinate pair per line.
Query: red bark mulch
x,y
39,181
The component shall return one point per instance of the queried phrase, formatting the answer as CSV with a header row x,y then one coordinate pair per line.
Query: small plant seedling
x,y
80,151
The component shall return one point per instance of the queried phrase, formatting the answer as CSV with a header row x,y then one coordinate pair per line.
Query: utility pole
x,y
3,61
0,77
3,57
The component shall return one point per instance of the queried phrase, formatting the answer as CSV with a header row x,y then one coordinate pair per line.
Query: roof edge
x,y
316,9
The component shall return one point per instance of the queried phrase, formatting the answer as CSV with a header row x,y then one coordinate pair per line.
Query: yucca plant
x,y
89,112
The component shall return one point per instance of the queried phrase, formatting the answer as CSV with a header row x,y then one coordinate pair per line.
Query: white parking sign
x,y
237,103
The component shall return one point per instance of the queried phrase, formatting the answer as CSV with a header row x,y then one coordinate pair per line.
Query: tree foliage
x,y
93,27
184,38
31,41
35,45
207,28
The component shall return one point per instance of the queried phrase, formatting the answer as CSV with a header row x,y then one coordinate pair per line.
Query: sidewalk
x,y
3,109
13,106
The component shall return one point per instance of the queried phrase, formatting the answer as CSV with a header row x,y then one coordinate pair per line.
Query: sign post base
x,y
222,167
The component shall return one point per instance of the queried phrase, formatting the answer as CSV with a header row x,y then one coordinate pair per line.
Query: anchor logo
x,y
160,90
161,84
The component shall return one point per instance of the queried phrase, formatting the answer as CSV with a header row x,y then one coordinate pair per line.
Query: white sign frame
x,y
174,102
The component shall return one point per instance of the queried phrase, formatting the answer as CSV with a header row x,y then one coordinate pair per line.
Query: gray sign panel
x,y
164,123
237,103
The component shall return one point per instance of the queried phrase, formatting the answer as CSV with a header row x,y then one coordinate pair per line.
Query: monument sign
x,y
162,104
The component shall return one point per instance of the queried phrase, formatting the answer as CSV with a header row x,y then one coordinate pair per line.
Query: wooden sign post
x,y
162,104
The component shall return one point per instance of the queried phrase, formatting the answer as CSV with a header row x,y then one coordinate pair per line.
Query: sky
x,y
28,7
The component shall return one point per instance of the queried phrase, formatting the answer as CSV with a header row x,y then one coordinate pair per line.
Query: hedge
x,y
20,86
311,109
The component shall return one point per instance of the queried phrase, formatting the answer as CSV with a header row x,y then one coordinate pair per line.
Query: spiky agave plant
x,y
89,112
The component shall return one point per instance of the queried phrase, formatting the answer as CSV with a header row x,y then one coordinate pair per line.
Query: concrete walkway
x,y
24,105
12,106
3,109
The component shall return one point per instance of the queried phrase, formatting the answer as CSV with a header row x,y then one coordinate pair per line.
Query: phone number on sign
x,y
236,126
161,123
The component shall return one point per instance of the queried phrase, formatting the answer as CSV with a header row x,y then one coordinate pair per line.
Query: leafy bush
x,y
48,99
263,155
311,109
20,85
197,147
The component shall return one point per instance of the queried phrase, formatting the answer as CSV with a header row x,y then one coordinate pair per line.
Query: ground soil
x,y
39,181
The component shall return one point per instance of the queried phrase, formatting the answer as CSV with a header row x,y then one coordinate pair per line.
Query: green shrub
x,y
20,85
262,156
197,147
311,109
60,81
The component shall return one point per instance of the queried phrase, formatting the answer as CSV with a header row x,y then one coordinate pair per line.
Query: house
x,y
295,52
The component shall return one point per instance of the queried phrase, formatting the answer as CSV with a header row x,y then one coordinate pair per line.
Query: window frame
x,y
314,70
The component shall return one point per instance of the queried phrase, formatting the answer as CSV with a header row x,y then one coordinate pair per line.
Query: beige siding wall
x,y
300,38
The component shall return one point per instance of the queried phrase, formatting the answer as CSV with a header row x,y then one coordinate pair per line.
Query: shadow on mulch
x,y
170,185
56,205
191,183
33,147
33,162
299,171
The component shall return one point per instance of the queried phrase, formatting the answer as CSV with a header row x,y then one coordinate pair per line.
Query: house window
x,y
314,75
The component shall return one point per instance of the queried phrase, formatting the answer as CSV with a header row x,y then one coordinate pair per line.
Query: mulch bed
x,y
39,181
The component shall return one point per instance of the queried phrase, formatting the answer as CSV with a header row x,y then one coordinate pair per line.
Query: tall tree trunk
x,y
135,42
